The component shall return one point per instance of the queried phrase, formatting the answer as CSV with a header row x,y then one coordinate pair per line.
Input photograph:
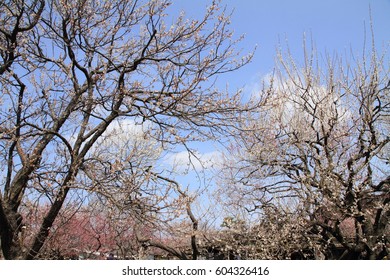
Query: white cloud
x,y
185,161
126,140
258,82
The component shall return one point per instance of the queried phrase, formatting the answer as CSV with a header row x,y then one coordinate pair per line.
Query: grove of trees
x,y
94,94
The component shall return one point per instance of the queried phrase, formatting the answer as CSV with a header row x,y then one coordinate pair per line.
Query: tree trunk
x,y
10,227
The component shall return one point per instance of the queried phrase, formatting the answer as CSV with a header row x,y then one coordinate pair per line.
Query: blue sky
x,y
333,25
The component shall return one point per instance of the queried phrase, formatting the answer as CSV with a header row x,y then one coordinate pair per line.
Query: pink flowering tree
x,y
84,232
